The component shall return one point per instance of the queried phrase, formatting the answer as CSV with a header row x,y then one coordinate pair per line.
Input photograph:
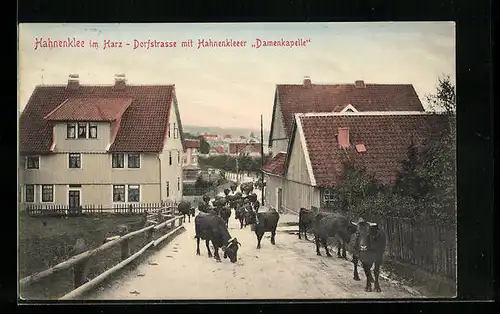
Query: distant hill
x,y
223,131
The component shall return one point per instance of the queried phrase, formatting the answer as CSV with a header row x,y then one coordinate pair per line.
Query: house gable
x,y
174,140
297,165
278,138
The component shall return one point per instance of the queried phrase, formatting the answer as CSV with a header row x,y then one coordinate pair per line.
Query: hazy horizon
x,y
234,86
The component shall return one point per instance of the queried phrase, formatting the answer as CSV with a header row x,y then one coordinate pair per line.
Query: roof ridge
x,y
366,113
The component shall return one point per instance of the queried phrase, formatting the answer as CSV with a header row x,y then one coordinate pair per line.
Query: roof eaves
x,y
304,145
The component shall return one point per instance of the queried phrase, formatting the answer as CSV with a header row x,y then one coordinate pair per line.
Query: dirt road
x,y
288,270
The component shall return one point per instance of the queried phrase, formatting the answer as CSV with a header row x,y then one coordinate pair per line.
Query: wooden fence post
x,y
79,269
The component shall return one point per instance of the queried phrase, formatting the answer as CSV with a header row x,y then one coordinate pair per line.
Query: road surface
x,y
288,270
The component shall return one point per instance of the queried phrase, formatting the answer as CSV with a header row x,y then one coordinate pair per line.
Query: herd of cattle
x,y
211,224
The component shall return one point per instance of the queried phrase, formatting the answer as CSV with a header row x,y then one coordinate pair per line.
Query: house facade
x,y
250,148
190,160
311,167
101,145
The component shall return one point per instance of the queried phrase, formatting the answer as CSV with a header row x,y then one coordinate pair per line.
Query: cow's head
x,y
367,231
231,250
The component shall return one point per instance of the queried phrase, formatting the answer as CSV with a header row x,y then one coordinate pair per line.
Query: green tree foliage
x,y
204,146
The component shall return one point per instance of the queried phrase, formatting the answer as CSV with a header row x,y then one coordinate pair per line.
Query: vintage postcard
x,y
237,161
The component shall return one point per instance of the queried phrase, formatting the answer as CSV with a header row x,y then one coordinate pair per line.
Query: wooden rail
x,y
79,262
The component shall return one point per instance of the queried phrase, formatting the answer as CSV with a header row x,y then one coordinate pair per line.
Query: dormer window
x,y
33,162
71,130
82,130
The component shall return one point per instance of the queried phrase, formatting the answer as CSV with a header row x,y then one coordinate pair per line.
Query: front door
x,y
74,199
279,200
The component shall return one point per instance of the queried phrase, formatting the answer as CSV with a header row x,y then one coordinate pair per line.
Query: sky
x,y
232,87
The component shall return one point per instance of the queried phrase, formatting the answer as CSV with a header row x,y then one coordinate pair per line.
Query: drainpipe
x,y
161,177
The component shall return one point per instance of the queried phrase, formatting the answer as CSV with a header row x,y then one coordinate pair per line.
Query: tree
x,y
408,181
251,135
204,146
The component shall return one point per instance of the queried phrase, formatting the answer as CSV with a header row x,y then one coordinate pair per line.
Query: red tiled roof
x,y
192,143
142,128
219,149
276,165
385,137
327,98
89,109
235,148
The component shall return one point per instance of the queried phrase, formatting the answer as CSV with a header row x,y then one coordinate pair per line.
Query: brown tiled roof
x,y
219,149
192,143
385,137
276,165
89,109
142,128
335,97
235,148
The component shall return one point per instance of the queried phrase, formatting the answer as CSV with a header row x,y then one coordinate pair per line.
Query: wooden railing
x,y
91,209
79,262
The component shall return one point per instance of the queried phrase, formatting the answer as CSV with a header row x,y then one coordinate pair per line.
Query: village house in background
x,y
298,169
191,168
251,149
102,145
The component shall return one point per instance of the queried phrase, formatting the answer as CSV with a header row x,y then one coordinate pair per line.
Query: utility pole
x,y
262,158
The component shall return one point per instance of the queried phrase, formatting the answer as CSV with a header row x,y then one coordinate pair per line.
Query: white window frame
x,y
26,162
330,193
170,161
53,194
113,194
140,160
78,130
96,130
176,132
179,184
81,161
179,157
34,194
75,125
124,161
140,193
168,188
168,131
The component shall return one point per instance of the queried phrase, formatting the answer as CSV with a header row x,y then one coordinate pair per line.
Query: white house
x,y
101,144
190,161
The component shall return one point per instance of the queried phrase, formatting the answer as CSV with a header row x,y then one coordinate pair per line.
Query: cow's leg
x,y
367,268
207,243
305,233
316,240
355,262
339,246
325,245
300,230
376,272
344,254
273,237
189,217
197,245
259,237
216,254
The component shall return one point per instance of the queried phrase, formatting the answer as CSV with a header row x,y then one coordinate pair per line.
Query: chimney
x,y
73,81
120,81
343,138
359,84
307,82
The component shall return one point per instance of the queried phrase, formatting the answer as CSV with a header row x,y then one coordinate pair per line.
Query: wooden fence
x,y
90,209
79,263
429,246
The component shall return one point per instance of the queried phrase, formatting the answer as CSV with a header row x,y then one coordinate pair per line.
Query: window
x,y
170,158
71,130
134,161
193,158
176,131
29,193
75,160
179,158
329,197
82,130
118,193
47,193
168,189
92,130
169,130
32,162
133,193
178,184
117,160
184,159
